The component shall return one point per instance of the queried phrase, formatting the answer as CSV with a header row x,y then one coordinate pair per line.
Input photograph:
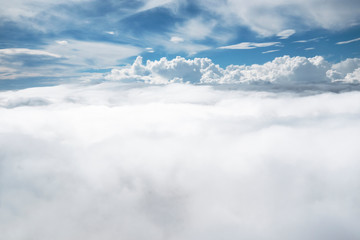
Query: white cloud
x,y
350,41
111,33
310,48
286,33
17,9
282,70
249,45
176,39
62,42
99,54
271,51
26,51
178,162
345,71
197,29
270,17
150,4
63,58
150,50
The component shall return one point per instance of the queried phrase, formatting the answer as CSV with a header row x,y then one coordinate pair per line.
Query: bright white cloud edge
x,y
284,70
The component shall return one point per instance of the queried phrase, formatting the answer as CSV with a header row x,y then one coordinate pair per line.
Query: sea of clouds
x,y
124,159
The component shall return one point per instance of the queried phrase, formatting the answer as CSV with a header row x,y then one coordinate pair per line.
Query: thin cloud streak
x,y
249,45
347,42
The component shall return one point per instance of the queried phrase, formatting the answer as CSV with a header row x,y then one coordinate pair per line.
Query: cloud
x,y
63,58
286,33
23,62
249,45
25,51
62,42
99,54
282,71
271,51
345,71
350,41
178,162
176,39
268,18
150,50
310,48
150,4
199,29
308,40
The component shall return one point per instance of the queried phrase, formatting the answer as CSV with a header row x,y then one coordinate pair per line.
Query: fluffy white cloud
x,y
346,71
281,71
178,162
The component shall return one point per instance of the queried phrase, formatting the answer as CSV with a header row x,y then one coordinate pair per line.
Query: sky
x,y
57,41
179,120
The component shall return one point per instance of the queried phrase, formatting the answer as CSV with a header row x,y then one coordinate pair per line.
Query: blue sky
x,y
60,40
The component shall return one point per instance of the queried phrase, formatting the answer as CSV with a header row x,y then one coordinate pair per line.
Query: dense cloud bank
x,y
118,161
282,70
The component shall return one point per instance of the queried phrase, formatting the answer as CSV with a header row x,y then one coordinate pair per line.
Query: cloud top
x,y
284,70
178,161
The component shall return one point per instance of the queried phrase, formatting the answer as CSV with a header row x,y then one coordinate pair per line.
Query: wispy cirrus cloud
x,y
349,41
63,58
286,33
268,18
25,51
271,51
249,45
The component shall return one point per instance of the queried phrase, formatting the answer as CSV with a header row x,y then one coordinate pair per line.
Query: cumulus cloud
x,y
283,71
249,45
178,162
346,71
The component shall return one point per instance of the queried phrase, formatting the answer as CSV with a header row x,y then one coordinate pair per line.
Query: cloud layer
x,y
282,70
178,162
